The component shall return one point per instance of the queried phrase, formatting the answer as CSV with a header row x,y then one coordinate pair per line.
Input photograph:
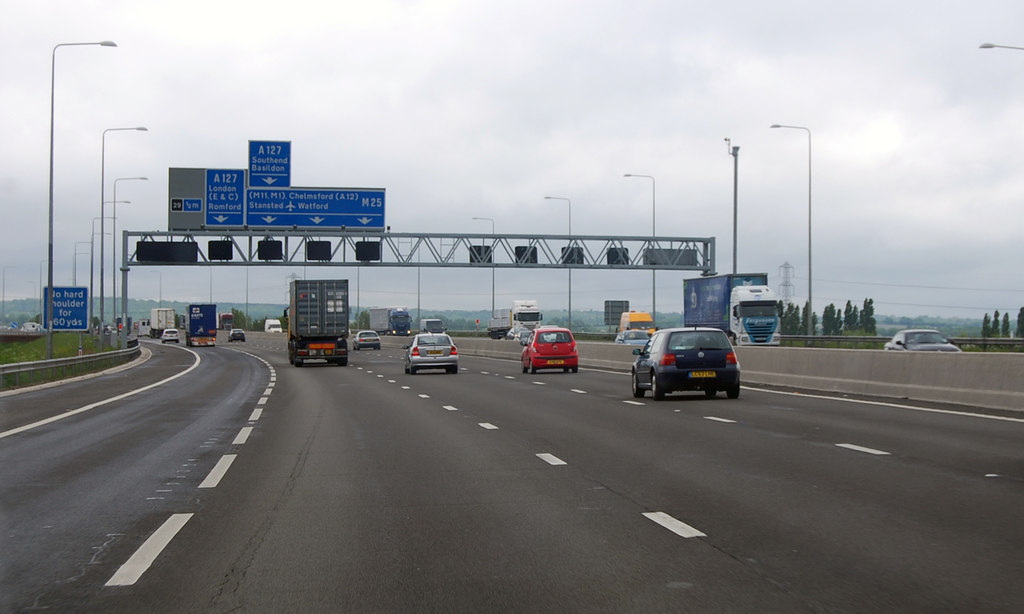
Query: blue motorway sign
x,y
316,208
270,164
69,309
225,197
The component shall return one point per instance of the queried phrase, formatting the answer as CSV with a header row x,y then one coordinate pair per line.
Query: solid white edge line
x,y
856,448
551,459
72,412
676,526
218,471
138,563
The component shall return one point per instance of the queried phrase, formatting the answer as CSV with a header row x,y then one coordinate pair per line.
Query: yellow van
x,y
636,320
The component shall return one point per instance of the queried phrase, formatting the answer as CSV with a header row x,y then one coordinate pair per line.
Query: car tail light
x,y
455,351
668,359
416,351
730,359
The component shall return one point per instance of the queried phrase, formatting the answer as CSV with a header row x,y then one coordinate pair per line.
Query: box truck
x,y
742,305
201,325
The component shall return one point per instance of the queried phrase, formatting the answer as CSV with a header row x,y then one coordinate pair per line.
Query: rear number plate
x,y
702,373
435,352
556,362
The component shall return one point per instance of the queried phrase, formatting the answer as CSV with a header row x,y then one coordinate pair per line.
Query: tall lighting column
x,y
734,151
810,302
491,220
568,252
49,257
113,249
103,201
654,232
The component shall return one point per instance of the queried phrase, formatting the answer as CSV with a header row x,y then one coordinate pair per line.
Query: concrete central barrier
x,y
981,379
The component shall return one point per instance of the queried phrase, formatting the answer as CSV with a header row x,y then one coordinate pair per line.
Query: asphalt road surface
x,y
245,484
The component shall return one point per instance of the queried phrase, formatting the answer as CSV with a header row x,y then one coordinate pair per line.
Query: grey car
x,y
431,351
632,337
920,340
686,359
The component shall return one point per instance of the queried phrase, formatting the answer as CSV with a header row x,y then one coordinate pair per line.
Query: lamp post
x,y
103,185
3,299
92,257
654,285
113,242
74,263
810,303
491,220
49,256
734,151
569,252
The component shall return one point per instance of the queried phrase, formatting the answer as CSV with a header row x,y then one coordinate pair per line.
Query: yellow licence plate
x,y
556,362
435,352
702,373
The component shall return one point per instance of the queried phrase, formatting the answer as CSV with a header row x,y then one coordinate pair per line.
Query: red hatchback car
x,y
550,347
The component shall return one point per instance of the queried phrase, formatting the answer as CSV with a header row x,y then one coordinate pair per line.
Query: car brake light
x,y
667,359
416,351
730,358
454,351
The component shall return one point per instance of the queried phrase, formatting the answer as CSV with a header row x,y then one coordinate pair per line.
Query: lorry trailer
x,y
318,321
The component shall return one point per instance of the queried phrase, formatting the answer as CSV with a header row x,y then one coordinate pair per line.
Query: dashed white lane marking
x,y
255,415
262,400
634,403
717,419
551,459
450,407
540,383
405,387
676,526
423,396
577,391
488,426
856,448
132,570
218,471
243,436
509,377
267,392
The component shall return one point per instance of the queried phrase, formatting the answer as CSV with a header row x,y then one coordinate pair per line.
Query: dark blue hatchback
x,y
686,359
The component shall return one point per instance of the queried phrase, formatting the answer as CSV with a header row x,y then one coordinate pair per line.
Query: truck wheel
x,y
297,362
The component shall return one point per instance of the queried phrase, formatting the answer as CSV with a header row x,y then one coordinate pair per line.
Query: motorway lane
x,y
81,493
356,494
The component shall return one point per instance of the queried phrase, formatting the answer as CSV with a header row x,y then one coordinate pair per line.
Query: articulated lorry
x,y
524,314
161,319
742,305
201,325
318,321
391,321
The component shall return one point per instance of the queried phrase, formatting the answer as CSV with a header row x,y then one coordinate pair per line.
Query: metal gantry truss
x,y
410,249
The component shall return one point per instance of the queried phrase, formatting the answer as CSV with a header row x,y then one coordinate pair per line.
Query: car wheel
x,y
575,369
710,392
525,369
656,390
733,392
412,370
638,392
533,369
406,369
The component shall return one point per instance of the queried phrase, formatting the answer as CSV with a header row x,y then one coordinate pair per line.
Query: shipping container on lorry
x,y
201,325
318,321
390,321
742,305
499,324
161,319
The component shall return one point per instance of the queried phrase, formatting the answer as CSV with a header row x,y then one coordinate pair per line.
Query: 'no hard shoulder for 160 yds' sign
x,y
262,197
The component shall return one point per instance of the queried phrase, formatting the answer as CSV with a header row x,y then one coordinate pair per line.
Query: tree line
x,y
853,320
992,327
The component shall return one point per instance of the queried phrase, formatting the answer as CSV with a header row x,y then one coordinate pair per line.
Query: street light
x,y
991,46
654,232
810,303
113,241
49,253
74,263
570,252
103,201
491,220
734,151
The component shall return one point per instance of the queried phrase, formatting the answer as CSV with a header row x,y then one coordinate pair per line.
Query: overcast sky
x,y
481,108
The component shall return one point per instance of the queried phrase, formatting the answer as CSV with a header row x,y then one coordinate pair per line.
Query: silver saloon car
x,y
431,351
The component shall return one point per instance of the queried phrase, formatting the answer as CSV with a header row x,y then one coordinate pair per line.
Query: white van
x,y
272,326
